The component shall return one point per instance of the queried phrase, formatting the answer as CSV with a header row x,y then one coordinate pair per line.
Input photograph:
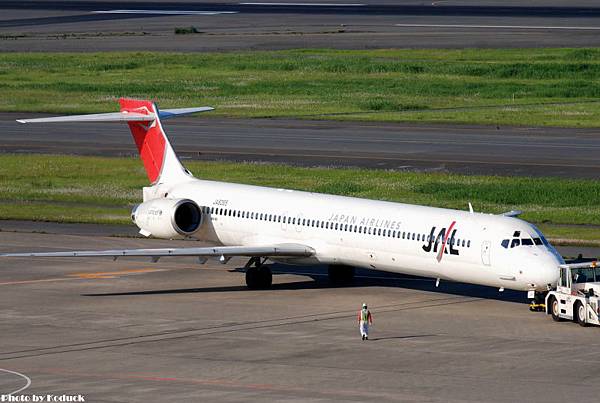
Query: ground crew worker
x,y
364,320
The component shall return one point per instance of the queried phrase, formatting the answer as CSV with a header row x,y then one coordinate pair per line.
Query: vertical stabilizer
x,y
160,161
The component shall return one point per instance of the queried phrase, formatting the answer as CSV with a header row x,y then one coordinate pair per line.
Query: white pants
x,y
364,328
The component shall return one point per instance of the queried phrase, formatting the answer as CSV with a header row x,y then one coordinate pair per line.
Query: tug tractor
x,y
577,295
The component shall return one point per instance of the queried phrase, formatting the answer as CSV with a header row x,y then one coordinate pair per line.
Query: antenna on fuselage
x,y
470,208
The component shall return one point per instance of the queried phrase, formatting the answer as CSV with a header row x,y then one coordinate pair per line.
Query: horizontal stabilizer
x,y
512,213
171,113
119,116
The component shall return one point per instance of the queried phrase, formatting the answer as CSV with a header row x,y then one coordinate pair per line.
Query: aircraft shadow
x,y
414,336
363,278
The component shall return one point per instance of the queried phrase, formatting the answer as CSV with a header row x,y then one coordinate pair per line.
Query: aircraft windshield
x,y
514,242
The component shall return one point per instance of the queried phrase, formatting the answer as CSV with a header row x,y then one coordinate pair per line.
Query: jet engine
x,y
167,218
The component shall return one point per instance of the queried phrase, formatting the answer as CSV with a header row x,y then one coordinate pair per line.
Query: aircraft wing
x,y
223,252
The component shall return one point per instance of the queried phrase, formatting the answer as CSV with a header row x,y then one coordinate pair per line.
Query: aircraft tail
x,y
144,120
160,161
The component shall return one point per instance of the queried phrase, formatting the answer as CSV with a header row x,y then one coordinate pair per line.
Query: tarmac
x,y
89,25
131,331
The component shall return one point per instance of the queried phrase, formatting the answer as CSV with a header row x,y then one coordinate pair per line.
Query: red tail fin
x,y
149,136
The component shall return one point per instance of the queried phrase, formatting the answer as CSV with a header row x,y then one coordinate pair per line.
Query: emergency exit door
x,y
485,252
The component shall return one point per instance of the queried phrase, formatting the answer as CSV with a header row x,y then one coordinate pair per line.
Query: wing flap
x,y
290,250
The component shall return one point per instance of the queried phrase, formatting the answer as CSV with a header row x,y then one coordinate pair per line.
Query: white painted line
x,y
27,384
164,12
305,4
497,26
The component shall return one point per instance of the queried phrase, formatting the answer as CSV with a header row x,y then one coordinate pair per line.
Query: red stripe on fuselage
x,y
441,252
148,136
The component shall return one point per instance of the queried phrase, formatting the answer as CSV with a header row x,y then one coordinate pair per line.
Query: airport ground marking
x,y
27,381
303,4
164,12
476,26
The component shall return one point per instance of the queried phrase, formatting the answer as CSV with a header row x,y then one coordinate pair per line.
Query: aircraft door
x,y
485,252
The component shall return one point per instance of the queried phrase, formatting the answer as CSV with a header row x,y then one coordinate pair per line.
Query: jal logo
x,y
442,237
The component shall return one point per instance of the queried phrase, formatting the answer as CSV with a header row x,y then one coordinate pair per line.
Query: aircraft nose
x,y
549,271
544,270
550,274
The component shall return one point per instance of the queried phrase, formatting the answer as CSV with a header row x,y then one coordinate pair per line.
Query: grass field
x,y
103,190
557,87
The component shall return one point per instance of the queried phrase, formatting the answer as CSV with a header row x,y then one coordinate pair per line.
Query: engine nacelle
x,y
167,218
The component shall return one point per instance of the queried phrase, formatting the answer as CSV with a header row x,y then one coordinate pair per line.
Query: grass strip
x,y
103,190
556,87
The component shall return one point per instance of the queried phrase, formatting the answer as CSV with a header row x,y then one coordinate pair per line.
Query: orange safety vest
x,y
365,316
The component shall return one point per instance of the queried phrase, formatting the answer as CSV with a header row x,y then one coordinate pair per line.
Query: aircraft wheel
x,y
555,309
259,278
579,314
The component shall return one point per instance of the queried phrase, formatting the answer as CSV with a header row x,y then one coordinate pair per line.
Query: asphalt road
x,y
226,25
569,153
133,331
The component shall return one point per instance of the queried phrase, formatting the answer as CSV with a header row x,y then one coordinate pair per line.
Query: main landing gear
x,y
340,274
538,303
258,276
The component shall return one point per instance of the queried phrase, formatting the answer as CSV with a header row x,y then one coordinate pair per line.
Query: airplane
x,y
266,224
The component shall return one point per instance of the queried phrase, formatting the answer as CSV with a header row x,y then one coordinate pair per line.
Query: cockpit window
x,y
537,241
505,243
515,242
527,242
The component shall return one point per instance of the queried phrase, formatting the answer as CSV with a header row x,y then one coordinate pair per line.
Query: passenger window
x,y
514,243
413,236
394,234
527,242
369,230
463,243
505,243
469,243
418,237
403,235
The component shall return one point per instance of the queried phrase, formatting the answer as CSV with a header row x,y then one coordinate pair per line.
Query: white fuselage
x,y
380,235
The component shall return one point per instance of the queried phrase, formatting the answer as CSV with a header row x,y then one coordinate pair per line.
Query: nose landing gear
x,y
258,276
538,302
